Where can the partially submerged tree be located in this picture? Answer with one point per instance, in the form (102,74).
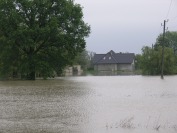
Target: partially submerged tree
(151,61)
(84,59)
(40,36)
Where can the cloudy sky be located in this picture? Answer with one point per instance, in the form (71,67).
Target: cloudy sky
(126,25)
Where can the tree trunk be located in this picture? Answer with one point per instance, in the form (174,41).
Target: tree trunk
(32,75)
(32,72)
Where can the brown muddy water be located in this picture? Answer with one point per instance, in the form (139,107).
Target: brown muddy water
(92,104)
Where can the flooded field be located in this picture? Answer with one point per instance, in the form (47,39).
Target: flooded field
(93,104)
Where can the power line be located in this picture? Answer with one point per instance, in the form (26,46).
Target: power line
(169,9)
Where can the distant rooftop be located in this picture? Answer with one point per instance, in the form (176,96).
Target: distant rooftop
(114,58)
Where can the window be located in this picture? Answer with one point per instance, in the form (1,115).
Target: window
(109,58)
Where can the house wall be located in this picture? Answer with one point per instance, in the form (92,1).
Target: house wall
(129,67)
(114,67)
(105,67)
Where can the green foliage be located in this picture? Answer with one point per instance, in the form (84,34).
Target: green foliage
(40,36)
(151,61)
(138,62)
(170,40)
(84,59)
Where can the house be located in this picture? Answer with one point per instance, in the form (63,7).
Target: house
(114,61)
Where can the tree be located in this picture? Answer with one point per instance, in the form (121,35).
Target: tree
(84,59)
(40,36)
(151,61)
(138,62)
(169,41)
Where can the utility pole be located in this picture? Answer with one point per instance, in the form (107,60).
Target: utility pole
(163,41)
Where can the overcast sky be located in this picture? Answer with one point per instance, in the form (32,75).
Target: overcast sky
(126,25)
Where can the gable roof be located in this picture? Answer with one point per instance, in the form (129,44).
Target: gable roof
(114,58)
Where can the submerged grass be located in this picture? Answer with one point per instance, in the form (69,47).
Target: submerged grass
(128,123)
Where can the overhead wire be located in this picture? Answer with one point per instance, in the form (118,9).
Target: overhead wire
(169,9)
(159,30)
(168,12)
(171,19)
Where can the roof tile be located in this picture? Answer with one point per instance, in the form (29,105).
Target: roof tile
(114,58)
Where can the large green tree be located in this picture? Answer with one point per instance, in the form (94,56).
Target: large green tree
(151,61)
(40,36)
(170,40)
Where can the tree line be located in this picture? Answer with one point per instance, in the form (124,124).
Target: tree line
(42,37)
(149,62)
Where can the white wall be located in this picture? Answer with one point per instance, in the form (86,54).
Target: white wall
(105,67)
(113,67)
(129,67)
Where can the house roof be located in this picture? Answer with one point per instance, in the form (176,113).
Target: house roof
(114,58)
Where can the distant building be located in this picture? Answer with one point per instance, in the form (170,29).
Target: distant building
(112,61)
(73,70)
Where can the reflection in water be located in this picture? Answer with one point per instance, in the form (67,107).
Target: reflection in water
(97,104)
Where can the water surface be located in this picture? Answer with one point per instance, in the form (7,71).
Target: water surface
(93,104)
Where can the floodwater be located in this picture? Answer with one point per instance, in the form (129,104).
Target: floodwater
(91,104)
